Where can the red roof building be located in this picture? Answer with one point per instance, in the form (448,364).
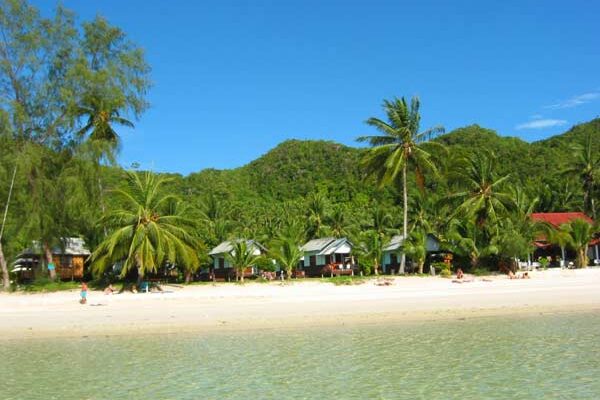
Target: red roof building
(557,219)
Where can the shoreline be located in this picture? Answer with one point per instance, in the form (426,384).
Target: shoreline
(208,309)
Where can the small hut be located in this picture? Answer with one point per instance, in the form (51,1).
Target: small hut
(68,259)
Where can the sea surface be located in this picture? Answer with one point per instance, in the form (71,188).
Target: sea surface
(536,357)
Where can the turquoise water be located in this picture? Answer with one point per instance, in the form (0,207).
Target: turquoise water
(541,357)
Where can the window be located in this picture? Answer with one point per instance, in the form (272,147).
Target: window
(313,260)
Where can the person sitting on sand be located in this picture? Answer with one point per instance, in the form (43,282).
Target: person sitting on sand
(511,275)
(525,275)
(459,274)
(109,289)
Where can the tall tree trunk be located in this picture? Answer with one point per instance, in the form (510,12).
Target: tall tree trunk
(421,264)
(241,275)
(188,276)
(3,265)
(49,262)
(405,226)
(5,277)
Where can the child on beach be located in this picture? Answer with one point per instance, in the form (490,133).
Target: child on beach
(83,293)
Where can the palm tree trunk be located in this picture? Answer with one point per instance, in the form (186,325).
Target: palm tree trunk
(188,276)
(405,226)
(421,264)
(563,253)
(242,275)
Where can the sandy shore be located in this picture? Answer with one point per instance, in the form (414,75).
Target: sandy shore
(223,307)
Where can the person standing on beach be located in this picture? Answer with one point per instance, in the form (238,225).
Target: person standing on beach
(83,293)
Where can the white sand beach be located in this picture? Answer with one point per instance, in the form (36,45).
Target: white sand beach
(222,307)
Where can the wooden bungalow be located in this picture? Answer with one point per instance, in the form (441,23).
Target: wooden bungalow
(68,259)
(328,256)
(222,269)
(547,249)
(393,250)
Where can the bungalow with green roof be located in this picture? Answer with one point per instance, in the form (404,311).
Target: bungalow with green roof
(328,256)
(221,267)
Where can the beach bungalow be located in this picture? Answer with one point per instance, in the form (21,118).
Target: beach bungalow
(221,267)
(393,250)
(547,249)
(328,256)
(68,259)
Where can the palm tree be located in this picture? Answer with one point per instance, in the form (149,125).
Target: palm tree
(286,251)
(580,233)
(338,221)
(371,248)
(398,149)
(466,239)
(242,257)
(587,168)
(483,198)
(101,116)
(150,228)
(316,215)
(416,247)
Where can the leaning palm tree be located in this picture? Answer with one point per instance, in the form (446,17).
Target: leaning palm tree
(242,257)
(149,229)
(587,168)
(398,149)
(580,233)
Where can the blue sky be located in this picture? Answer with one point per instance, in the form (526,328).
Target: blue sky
(232,79)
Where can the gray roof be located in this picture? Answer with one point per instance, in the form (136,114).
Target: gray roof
(317,244)
(395,243)
(72,246)
(325,245)
(227,246)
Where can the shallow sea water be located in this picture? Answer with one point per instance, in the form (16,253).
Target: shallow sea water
(535,357)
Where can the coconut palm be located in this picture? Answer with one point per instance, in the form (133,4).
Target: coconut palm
(286,251)
(466,239)
(580,233)
(242,257)
(149,229)
(416,247)
(338,223)
(316,214)
(398,149)
(483,200)
(101,116)
(370,249)
(587,168)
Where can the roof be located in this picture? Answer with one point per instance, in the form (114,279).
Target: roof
(227,246)
(324,246)
(395,243)
(557,219)
(72,246)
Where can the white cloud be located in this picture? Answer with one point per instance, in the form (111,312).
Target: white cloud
(576,100)
(541,123)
